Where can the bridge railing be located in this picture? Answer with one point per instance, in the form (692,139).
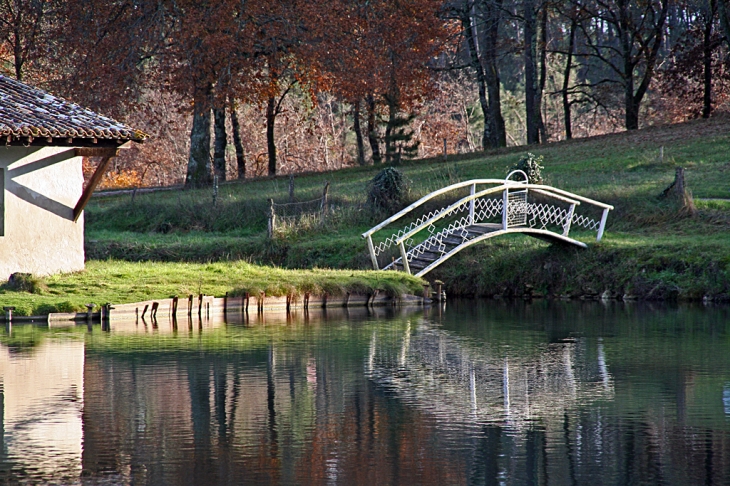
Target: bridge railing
(513,204)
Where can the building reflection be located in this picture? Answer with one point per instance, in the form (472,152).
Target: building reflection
(41,403)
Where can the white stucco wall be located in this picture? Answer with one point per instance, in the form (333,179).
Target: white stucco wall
(42,186)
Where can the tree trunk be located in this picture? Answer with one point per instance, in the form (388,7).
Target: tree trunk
(543,73)
(358,132)
(372,135)
(236,128)
(270,141)
(198,172)
(533,135)
(723,11)
(630,108)
(221,142)
(707,48)
(493,16)
(471,42)
(649,57)
(566,79)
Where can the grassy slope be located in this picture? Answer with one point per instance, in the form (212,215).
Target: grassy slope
(649,249)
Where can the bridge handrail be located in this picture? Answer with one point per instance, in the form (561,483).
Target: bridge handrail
(447,210)
(503,184)
(570,194)
(438,192)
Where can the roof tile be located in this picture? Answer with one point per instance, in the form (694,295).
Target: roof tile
(27,111)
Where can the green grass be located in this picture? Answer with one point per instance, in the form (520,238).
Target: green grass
(650,246)
(124,282)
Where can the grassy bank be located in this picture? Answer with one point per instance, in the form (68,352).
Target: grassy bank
(124,282)
(651,249)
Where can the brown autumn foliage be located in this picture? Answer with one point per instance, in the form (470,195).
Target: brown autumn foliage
(317,85)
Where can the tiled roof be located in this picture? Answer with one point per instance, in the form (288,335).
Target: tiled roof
(26,111)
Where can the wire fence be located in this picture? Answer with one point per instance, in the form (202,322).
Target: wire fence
(292,216)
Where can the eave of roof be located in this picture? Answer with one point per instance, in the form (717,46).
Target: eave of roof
(30,116)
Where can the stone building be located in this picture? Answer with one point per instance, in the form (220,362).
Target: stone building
(43,140)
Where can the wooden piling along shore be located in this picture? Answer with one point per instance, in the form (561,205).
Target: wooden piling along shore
(206,307)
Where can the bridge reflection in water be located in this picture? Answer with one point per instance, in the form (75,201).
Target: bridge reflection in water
(461,381)
(483,393)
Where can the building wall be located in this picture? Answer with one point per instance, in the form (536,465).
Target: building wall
(41,187)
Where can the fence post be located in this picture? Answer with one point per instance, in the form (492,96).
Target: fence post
(291,188)
(272,219)
(325,197)
(471,203)
(215,190)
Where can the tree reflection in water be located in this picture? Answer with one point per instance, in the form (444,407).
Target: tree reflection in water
(543,393)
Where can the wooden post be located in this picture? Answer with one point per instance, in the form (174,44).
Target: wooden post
(291,188)
(190,305)
(215,190)
(89,308)
(272,219)
(175,301)
(444,150)
(95,179)
(325,198)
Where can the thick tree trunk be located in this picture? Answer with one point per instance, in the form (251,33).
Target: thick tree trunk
(630,107)
(358,132)
(236,128)
(493,17)
(566,79)
(270,141)
(531,119)
(221,142)
(471,42)
(198,172)
(649,56)
(372,134)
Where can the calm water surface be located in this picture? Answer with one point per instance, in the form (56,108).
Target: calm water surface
(475,393)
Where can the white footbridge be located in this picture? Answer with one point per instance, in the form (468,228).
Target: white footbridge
(419,238)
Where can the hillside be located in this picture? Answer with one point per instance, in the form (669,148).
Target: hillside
(651,249)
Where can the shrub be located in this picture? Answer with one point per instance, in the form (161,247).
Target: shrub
(387,190)
(26,282)
(530,165)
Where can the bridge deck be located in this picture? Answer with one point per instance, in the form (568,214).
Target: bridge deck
(428,253)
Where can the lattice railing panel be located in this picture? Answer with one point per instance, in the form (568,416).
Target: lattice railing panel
(542,215)
(586,222)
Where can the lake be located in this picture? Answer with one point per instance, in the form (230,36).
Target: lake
(476,392)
